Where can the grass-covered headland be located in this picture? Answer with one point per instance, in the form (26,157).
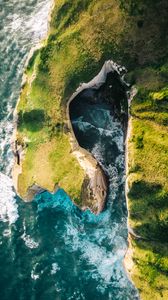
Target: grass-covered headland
(83,34)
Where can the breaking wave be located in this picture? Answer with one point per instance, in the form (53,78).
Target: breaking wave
(8,205)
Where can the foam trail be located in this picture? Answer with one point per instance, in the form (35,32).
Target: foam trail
(8,205)
(23,27)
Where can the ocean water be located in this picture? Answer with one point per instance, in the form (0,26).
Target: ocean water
(49,249)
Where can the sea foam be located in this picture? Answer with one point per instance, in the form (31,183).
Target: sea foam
(8,204)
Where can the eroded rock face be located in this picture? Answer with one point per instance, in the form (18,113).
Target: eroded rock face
(33,191)
(94,190)
(94,187)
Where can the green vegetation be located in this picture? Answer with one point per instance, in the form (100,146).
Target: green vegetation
(83,34)
(151,105)
(48,161)
(148,183)
(149,187)
(151,269)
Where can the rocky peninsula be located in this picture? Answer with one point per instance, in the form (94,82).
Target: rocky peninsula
(83,36)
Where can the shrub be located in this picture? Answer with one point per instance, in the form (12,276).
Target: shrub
(139,142)
(32,120)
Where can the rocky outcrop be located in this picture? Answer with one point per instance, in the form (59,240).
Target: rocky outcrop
(94,188)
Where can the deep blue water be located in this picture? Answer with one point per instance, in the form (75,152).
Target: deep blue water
(49,249)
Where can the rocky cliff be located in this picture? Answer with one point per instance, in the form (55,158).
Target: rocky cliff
(83,35)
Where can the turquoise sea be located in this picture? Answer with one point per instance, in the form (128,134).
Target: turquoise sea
(49,249)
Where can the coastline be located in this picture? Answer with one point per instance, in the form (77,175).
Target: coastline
(137,260)
(17,169)
(148,124)
(97,179)
(128,258)
(128,262)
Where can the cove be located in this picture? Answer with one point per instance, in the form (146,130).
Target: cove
(99,120)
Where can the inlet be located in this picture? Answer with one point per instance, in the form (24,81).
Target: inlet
(99,116)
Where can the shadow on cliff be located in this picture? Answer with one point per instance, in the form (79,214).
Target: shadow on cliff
(148,203)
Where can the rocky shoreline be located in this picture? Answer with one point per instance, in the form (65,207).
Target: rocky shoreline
(19,151)
(96,185)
